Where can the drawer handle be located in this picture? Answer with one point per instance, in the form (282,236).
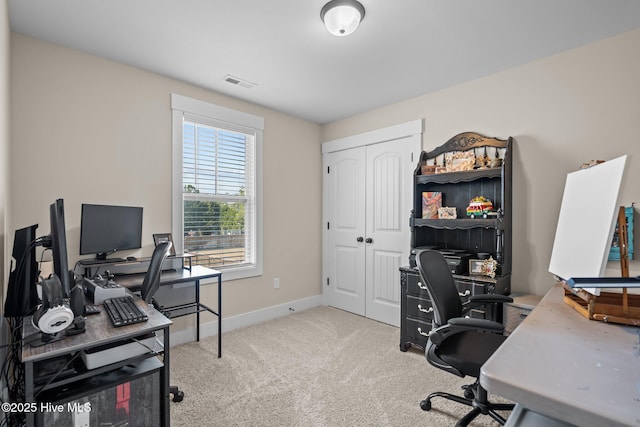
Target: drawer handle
(423,287)
(424,334)
(429,310)
(465,293)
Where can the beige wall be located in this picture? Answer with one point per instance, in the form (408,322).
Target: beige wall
(563,110)
(109,124)
(89,130)
(4,145)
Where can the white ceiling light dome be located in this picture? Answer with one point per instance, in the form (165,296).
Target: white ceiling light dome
(342,17)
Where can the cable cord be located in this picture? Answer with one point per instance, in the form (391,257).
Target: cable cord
(13,373)
(151,350)
(53,377)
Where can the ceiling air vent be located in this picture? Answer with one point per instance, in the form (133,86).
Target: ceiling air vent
(238,81)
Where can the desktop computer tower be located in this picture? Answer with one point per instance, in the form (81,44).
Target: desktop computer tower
(129,396)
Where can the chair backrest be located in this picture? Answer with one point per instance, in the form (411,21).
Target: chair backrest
(151,281)
(436,275)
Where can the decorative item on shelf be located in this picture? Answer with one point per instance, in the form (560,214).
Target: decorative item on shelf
(591,163)
(480,206)
(431,201)
(447,213)
(460,161)
(479,161)
(441,168)
(164,237)
(496,162)
(486,161)
(427,169)
(483,267)
(436,167)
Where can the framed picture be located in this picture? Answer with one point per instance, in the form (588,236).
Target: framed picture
(165,237)
(431,201)
(447,213)
(483,267)
(460,161)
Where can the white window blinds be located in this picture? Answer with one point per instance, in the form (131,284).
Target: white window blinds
(216,186)
(218,193)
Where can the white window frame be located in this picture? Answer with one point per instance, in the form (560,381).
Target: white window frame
(181,106)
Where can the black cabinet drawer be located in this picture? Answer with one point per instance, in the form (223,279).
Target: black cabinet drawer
(417,312)
(415,286)
(419,308)
(469,286)
(418,330)
(465,290)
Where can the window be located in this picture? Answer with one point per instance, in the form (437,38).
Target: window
(216,193)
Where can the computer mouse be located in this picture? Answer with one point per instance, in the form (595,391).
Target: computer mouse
(131,258)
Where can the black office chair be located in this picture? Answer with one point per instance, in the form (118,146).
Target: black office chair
(150,286)
(151,282)
(457,344)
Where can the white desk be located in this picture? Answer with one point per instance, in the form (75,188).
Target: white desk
(575,370)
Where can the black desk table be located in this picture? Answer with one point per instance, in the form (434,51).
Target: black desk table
(185,275)
(98,332)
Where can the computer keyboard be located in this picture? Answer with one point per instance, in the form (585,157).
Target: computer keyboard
(124,311)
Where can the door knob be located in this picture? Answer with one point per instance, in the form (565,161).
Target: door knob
(369,240)
(360,239)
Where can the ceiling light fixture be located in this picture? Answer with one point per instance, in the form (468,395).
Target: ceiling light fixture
(342,17)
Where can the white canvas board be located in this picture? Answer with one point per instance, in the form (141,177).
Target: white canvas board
(587,220)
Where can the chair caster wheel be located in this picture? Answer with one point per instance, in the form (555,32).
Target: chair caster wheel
(468,393)
(178,394)
(425,405)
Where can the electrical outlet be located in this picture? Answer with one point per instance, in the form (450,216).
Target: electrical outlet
(276,283)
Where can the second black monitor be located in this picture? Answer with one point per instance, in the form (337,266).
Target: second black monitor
(105,229)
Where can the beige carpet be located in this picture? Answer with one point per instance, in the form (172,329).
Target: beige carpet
(319,367)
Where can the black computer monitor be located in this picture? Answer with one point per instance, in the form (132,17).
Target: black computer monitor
(59,245)
(22,296)
(105,229)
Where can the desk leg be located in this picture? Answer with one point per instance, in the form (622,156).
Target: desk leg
(197,310)
(164,381)
(219,316)
(29,392)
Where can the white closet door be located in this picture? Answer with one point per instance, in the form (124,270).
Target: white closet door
(346,227)
(367,192)
(389,190)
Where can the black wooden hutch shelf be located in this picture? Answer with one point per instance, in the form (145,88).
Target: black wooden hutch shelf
(471,237)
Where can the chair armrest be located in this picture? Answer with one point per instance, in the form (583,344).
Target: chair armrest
(464,324)
(482,325)
(490,298)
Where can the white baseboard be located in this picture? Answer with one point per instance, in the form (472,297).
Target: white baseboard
(246,319)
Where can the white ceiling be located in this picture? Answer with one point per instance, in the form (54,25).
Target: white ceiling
(403,48)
